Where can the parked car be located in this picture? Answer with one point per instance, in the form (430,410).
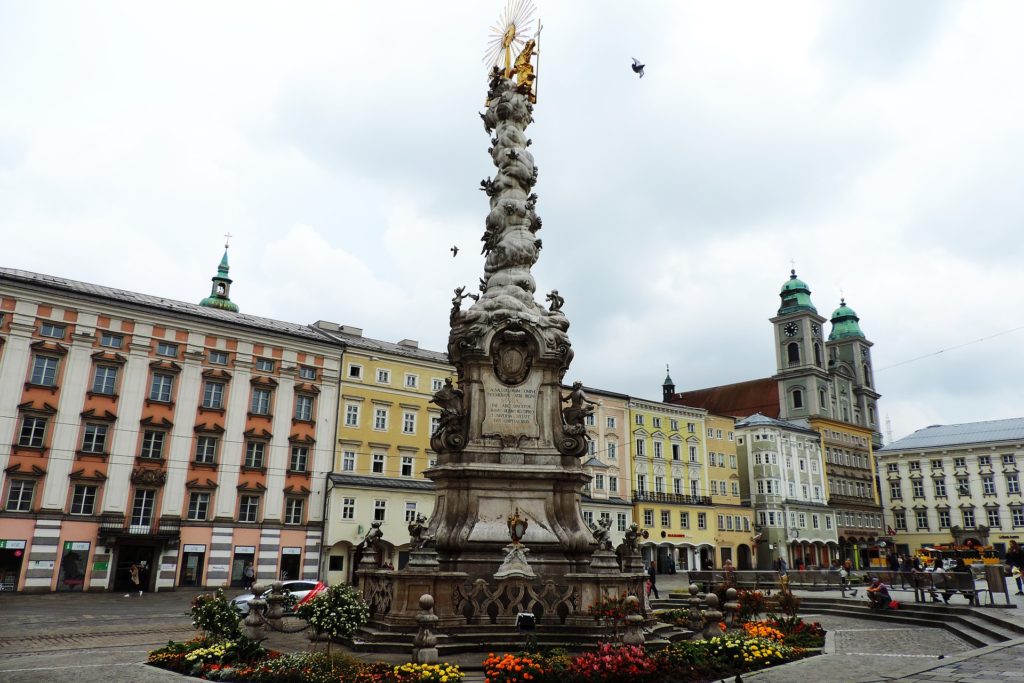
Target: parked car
(297,589)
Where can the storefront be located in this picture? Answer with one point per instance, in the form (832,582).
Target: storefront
(74,560)
(245,555)
(12,556)
(291,568)
(193,560)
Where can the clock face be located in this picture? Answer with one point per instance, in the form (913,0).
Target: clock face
(790,329)
(816,329)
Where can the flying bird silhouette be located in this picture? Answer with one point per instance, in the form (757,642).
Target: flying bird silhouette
(638,68)
(455,251)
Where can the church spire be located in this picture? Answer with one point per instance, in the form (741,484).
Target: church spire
(668,387)
(221,290)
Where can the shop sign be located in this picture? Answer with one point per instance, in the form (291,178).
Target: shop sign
(291,551)
(195,548)
(40,564)
(245,550)
(76,545)
(100,566)
(11,545)
(168,567)
(218,567)
(677,535)
(1009,537)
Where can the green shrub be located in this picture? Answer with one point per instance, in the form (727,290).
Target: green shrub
(214,615)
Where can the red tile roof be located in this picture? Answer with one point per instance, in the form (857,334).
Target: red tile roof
(737,400)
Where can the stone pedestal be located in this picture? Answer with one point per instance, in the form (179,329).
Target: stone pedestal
(393,596)
(604,562)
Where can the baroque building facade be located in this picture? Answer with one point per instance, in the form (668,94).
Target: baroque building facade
(784,482)
(385,419)
(955,485)
(190,440)
(829,384)
(608,463)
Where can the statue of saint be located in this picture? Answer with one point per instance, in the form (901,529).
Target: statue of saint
(418,537)
(556,299)
(449,399)
(523,69)
(579,406)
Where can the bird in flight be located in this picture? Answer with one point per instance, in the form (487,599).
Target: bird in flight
(455,251)
(638,68)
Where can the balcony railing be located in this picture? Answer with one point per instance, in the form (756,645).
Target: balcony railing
(678,498)
(118,526)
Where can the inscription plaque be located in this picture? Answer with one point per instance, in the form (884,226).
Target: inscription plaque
(511,411)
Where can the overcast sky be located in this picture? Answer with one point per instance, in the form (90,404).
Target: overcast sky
(878,145)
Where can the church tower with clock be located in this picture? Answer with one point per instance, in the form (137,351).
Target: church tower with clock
(802,373)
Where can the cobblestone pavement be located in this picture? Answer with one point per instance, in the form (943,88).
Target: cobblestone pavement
(997,663)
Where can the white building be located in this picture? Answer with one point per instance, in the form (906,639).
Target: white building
(785,485)
(955,485)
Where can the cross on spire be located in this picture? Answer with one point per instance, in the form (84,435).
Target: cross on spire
(227,239)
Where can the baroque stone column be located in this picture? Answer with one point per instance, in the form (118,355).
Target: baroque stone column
(504,442)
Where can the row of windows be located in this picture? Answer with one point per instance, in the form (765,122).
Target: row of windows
(381,419)
(994,517)
(717,487)
(840,456)
(153,441)
(717,434)
(659,450)
(797,520)
(673,424)
(161,388)
(958,462)
(621,519)
(591,421)
(412,381)
(848,487)
(963,486)
(599,483)
(84,499)
(380,510)
(773,487)
(378,464)
(665,517)
(859,519)
(611,448)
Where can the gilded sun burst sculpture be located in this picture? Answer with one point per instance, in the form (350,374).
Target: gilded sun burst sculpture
(511,50)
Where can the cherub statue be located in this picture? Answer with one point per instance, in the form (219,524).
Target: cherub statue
(460,295)
(418,537)
(579,406)
(602,533)
(556,300)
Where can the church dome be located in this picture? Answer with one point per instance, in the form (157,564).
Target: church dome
(221,290)
(795,295)
(845,323)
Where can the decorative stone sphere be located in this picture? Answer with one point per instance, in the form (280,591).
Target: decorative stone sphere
(712,600)
(730,594)
(694,589)
(426,601)
(277,586)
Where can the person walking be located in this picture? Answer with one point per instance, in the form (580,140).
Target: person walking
(250,576)
(133,576)
(652,586)
(1015,558)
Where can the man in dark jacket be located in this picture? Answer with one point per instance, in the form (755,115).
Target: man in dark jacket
(651,580)
(1015,558)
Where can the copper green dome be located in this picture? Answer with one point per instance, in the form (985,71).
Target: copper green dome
(796,296)
(219,293)
(845,323)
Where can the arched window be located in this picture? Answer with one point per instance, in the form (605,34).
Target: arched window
(821,399)
(817,354)
(793,352)
(798,398)
(867,375)
(220,288)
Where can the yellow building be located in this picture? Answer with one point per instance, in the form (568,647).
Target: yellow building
(671,492)
(383,446)
(733,521)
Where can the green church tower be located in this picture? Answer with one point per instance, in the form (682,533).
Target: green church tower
(221,290)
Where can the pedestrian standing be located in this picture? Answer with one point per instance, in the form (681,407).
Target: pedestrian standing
(652,586)
(133,576)
(250,576)
(1015,558)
